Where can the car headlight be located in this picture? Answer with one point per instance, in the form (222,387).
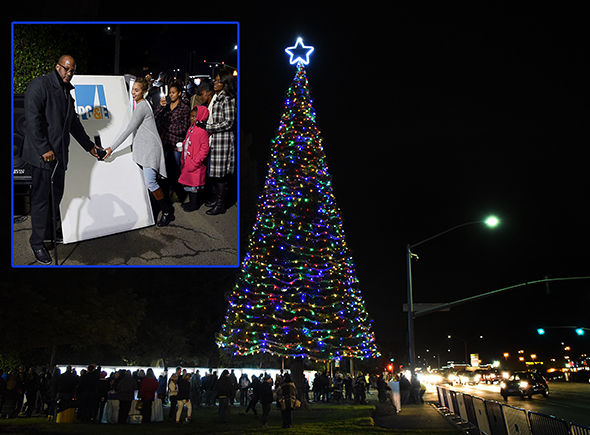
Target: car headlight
(524,384)
(503,385)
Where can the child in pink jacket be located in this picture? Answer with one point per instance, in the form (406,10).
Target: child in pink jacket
(195,149)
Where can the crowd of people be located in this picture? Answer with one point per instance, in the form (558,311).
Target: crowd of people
(184,140)
(24,392)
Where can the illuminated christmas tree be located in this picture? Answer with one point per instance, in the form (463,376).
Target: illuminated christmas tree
(297,293)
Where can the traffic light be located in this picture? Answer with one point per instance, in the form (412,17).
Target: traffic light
(541,331)
(580,331)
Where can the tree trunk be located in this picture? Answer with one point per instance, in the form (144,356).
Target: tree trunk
(299,380)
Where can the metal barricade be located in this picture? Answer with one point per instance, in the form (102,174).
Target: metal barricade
(516,420)
(441,396)
(495,417)
(578,429)
(481,415)
(453,402)
(542,424)
(468,399)
(462,408)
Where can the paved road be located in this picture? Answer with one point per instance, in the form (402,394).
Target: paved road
(567,400)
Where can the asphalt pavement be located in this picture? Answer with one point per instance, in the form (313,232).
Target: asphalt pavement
(192,239)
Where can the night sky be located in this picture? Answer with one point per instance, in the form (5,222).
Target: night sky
(432,118)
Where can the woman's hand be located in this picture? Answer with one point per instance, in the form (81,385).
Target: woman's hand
(109,151)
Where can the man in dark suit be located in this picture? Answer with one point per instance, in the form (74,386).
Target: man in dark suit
(50,118)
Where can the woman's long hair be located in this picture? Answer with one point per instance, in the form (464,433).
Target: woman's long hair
(227,79)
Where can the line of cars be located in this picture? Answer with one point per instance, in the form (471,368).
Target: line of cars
(518,383)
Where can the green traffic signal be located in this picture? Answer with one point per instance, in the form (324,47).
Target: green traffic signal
(541,331)
(580,331)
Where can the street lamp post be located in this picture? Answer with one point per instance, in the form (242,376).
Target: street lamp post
(491,222)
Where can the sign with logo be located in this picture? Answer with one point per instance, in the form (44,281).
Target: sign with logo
(91,103)
(102,198)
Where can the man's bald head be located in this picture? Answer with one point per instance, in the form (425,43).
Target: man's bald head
(66,67)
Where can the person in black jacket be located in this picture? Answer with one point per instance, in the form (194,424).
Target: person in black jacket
(50,119)
(266,398)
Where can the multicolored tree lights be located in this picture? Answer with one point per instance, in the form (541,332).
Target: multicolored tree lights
(297,293)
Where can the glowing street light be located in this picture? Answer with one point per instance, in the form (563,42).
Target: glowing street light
(491,222)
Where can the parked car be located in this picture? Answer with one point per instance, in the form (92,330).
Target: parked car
(524,384)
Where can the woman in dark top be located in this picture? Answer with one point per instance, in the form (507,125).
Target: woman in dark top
(172,117)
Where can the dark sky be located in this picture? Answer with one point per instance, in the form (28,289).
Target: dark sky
(433,117)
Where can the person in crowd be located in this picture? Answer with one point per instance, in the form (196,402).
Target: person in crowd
(382,389)
(222,144)
(162,383)
(348,387)
(102,394)
(196,390)
(43,396)
(224,390)
(256,393)
(172,396)
(66,389)
(234,386)
(421,393)
(244,387)
(209,386)
(172,118)
(158,89)
(360,389)
(31,387)
(183,397)
(10,408)
(338,384)
(86,392)
(286,399)
(266,398)
(205,93)
(405,387)
(125,393)
(147,391)
(50,120)
(147,149)
(315,387)
(53,387)
(415,388)
(325,386)
(193,169)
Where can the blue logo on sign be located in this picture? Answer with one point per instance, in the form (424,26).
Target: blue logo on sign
(91,103)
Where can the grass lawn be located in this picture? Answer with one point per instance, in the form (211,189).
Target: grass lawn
(319,419)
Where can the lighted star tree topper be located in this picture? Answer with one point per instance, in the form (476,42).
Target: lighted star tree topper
(297,294)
